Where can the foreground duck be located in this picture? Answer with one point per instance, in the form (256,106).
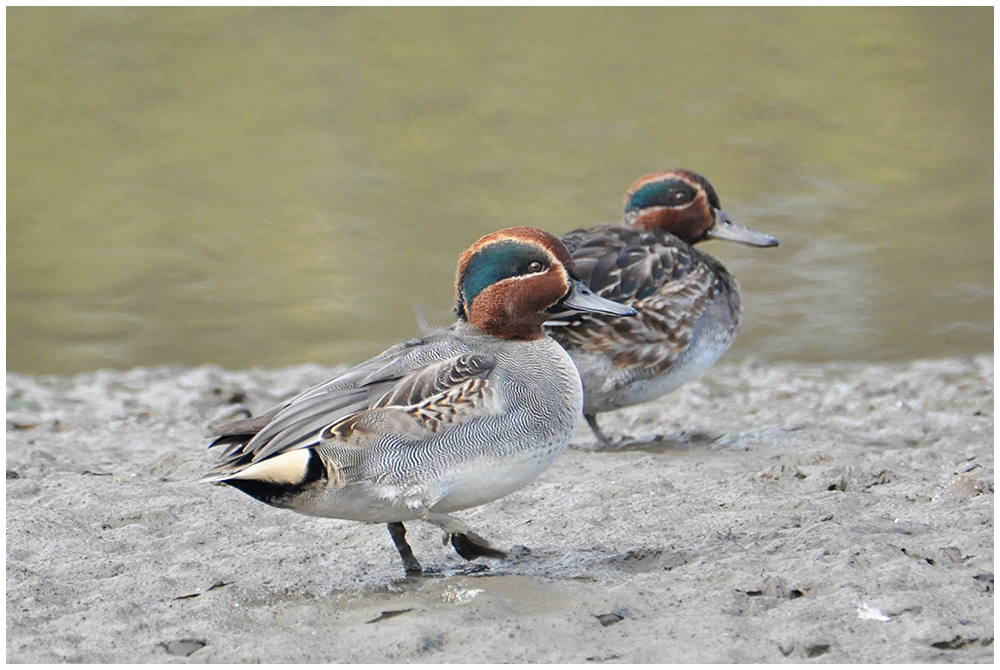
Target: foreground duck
(688,304)
(453,420)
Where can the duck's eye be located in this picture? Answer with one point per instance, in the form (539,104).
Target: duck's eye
(535,266)
(680,197)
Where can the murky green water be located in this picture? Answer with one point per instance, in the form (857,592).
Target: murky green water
(269,186)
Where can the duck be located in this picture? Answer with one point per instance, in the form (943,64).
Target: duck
(688,304)
(454,419)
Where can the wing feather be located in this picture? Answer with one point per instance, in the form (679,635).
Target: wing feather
(669,282)
(413,389)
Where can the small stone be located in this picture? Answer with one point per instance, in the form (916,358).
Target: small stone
(609,619)
(184,647)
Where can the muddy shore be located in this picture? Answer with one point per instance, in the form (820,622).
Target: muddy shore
(764,513)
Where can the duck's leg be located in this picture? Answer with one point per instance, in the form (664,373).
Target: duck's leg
(398,533)
(601,437)
(469,544)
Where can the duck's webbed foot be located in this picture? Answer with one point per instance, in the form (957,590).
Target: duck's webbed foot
(469,544)
(398,533)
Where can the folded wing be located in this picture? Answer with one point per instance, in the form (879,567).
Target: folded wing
(413,395)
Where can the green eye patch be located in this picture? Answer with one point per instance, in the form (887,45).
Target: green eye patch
(498,261)
(670,193)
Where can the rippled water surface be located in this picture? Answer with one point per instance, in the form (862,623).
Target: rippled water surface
(274,186)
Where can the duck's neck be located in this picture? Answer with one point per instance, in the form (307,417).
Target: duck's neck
(505,317)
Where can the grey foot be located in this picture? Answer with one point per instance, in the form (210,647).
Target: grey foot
(471,546)
(467,543)
(623,442)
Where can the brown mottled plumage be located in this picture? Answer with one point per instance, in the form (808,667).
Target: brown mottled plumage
(688,304)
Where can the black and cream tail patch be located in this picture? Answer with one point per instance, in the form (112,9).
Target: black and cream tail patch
(277,480)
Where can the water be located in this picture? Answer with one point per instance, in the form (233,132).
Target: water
(274,186)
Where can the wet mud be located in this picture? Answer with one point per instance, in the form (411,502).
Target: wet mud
(764,513)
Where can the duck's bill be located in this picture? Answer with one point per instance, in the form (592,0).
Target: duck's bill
(581,299)
(727,229)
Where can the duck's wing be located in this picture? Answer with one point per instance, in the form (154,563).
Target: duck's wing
(410,390)
(422,403)
(626,265)
(666,280)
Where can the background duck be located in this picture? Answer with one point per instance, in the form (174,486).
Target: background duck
(688,304)
(453,420)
